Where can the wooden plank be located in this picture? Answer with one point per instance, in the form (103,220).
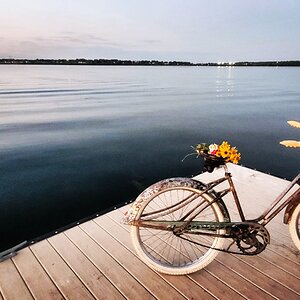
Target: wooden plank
(231,277)
(274,272)
(125,283)
(35,277)
(91,277)
(266,283)
(218,288)
(189,288)
(12,285)
(121,234)
(222,273)
(147,277)
(285,251)
(282,262)
(63,277)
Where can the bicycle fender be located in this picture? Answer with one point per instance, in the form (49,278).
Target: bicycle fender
(290,209)
(130,215)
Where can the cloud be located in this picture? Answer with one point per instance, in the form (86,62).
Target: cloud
(81,38)
(152,42)
(72,39)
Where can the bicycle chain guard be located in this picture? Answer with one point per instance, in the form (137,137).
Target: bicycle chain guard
(251,238)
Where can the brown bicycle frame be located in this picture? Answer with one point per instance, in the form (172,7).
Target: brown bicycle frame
(263,219)
(268,214)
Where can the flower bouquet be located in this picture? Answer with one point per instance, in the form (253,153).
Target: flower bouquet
(223,152)
(216,155)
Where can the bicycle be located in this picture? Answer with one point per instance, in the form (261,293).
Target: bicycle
(179,225)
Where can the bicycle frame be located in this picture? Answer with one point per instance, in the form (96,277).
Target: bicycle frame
(188,218)
(271,211)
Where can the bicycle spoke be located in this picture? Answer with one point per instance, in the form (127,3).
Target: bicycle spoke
(165,245)
(167,250)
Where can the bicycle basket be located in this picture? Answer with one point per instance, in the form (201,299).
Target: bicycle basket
(211,162)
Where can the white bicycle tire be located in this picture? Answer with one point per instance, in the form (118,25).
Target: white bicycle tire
(294,226)
(194,266)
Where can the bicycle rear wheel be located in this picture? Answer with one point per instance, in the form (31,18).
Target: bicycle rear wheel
(163,250)
(294,226)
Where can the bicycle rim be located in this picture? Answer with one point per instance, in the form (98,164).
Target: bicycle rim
(294,226)
(167,252)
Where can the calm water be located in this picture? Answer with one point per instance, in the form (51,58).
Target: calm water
(78,140)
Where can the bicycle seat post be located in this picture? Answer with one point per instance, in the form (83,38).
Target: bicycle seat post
(234,193)
(225,168)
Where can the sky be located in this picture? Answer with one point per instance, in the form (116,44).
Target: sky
(182,30)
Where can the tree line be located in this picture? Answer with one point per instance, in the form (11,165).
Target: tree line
(119,62)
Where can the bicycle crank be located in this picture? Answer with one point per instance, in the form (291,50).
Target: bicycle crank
(250,238)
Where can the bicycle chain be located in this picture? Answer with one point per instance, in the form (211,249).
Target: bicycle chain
(209,247)
(254,228)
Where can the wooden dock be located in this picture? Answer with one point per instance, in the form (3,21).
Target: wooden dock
(96,260)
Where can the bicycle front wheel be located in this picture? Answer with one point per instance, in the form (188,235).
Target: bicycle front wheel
(294,226)
(165,251)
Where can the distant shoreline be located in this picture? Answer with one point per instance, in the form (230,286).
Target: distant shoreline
(118,62)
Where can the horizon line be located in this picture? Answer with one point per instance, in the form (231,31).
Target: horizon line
(116,61)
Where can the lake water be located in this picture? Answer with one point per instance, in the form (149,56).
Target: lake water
(76,140)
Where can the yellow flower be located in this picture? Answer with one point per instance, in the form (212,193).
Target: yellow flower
(233,152)
(235,156)
(228,153)
(224,150)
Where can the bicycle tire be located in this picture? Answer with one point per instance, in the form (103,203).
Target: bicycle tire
(164,251)
(294,226)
